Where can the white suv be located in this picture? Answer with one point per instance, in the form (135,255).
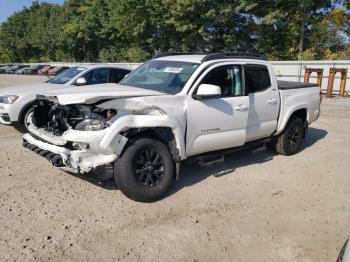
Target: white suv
(16,102)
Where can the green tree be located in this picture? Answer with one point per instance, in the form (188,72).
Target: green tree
(285,27)
(135,30)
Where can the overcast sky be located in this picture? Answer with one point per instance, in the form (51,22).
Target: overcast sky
(8,7)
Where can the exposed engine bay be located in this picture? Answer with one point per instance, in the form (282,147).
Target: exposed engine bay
(91,135)
(57,119)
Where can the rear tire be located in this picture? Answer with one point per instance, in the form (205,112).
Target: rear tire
(290,140)
(145,171)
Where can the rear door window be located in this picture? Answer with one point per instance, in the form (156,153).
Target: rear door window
(97,76)
(116,75)
(257,78)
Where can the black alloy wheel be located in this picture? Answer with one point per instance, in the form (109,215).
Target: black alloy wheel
(291,139)
(145,170)
(295,136)
(149,167)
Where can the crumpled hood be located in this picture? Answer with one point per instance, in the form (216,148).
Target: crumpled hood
(28,89)
(94,93)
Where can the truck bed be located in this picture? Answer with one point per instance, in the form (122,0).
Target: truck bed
(285,85)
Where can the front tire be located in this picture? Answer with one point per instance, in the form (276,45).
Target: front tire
(23,123)
(290,140)
(145,171)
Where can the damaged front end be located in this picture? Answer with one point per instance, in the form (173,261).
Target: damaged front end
(69,135)
(57,119)
(90,136)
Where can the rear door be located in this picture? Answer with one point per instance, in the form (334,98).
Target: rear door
(218,123)
(264,102)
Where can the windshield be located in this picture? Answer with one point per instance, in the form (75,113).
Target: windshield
(162,76)
(66,75)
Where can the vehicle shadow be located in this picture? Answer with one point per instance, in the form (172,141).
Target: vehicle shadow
(313,136)
(193,173)
(107,184)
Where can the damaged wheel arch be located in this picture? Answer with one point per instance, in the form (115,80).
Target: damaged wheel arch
(163,134)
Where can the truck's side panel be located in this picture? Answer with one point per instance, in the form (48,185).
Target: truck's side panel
(264,101)
(295,99)
(217,123)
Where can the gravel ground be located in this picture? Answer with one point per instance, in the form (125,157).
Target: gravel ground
(257,206)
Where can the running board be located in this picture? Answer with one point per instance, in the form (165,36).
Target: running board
(210,160)
(216,157)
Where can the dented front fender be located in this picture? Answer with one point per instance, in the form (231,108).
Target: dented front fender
(143,121)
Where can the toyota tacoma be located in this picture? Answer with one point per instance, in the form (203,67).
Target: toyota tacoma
(174,107)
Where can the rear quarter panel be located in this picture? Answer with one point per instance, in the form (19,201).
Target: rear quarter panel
(295,99)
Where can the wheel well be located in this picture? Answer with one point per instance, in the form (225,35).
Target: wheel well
(23,112)
(301,113)
(162,134)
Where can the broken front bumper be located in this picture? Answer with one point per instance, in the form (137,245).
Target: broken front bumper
(76,161)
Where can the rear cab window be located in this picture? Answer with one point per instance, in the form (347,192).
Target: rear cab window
(257,78)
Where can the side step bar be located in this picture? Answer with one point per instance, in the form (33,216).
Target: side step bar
(217,157)
(211,160)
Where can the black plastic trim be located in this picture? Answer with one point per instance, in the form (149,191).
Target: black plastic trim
(55,159)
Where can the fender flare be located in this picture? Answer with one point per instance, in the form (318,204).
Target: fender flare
(287,115)
(144,121)
(24,110)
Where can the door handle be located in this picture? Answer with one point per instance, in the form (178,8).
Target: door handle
(241,108)
(272,101)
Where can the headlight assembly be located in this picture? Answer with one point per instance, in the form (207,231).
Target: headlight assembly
(95,124)
(10,99)
(92,125)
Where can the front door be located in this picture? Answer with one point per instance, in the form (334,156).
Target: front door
(218,123)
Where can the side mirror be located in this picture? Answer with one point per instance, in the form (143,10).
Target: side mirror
(81,81)
(206,91)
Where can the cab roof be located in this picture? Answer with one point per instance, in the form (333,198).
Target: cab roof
(204,57)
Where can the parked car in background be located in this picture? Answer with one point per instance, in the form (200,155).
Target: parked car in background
(20,70)
(45,70)
(3,68)
(15,68)
(8,69)
(33,69)
(16,102)
(56,70)
(11,69)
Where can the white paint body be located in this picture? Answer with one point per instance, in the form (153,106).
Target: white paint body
(346,256)
(199,126)
(27,93)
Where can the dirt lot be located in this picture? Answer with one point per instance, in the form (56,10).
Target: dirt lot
(256,207)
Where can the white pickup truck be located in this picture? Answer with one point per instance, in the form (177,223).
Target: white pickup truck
(172,108)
